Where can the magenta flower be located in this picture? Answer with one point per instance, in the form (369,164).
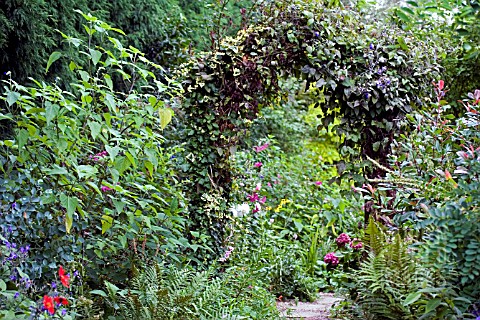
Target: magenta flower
(356,244)
(253,197)
(258,164)
(226,254)
(342,240)
(261,148)
(269,184)
(331,258)
(263,200)
(257,208)
(99,156)
(318,183)
(106,189)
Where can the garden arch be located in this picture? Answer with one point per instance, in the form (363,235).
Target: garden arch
(370,75)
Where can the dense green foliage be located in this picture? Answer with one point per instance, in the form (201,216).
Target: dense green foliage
(76,172)
(367,77)
(29,30)
(454,27)
(159,292)
(257,151)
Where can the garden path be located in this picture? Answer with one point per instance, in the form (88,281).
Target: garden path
(317,310)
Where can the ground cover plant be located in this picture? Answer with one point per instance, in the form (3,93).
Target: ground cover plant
(309,148)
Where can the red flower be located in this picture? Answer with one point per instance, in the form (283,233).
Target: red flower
(61,300)
(48,304)
(64,278)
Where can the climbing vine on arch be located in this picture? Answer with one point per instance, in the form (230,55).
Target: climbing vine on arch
(370,75)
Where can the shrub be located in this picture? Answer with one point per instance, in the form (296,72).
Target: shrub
(86,176)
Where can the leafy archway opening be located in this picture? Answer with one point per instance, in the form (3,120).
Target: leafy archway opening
(370,74)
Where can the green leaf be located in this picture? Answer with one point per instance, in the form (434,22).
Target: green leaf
(95,128)
(53,57)
(51,112)
(467,46)
(152,100)
(70,204)
(432,304)
(3,285)
(402,43)
(22,138)
(99,293)
(86,171)
(57,170)
(403,16)
(109,82)
(96,55)
(107,223)
(12,97)
(165,117)
(122,164)
(112,152)
(411,298)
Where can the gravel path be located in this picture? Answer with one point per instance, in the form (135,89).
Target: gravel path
(317,310)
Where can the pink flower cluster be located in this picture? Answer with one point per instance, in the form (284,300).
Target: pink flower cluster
(342,240)
(226,254)
(99,156)
(258,164)
(331,258)
(356,244)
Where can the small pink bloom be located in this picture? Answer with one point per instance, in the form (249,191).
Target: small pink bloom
(441,84)
(263,200)
(253,197)
(258,164)
(258,187)
(318,183)
(269,184)
(356,244)
(331,258)
(261,148)
(105,189)
(257,208)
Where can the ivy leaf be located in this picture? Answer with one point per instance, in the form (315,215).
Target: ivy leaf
(53,57)
(165,117)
